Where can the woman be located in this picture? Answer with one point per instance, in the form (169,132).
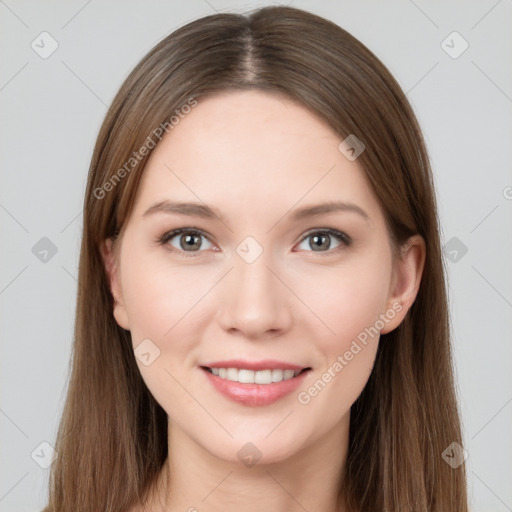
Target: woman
(261,318)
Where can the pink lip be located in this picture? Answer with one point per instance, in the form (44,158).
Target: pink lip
(266,364)
(254,394)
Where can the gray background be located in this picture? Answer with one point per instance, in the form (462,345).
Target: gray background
(51,110)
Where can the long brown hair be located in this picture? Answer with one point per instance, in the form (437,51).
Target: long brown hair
(112,438)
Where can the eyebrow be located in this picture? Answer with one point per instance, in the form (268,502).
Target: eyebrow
(207,212)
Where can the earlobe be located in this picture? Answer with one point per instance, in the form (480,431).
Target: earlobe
(108,254)
(406,281)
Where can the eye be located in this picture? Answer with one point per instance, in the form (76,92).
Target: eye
(185,240)
(320,241)
(189,241)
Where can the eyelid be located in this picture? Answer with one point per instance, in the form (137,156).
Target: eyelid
(344,238)
(168,235)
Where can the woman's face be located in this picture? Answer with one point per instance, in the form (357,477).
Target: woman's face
(254,281)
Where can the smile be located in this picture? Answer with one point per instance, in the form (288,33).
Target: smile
(254,377)
(263,384)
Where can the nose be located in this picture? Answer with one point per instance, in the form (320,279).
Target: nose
(254,301)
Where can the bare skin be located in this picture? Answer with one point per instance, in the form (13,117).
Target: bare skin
(256,158)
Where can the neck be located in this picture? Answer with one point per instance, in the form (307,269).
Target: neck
(195,480)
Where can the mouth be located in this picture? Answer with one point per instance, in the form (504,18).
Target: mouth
(263,384)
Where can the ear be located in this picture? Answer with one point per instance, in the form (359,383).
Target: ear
(110,260)
(406,280)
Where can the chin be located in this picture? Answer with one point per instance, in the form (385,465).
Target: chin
(258,450)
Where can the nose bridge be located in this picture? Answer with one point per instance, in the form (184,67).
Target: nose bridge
(254,300)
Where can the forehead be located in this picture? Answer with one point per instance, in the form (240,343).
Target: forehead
(254,152)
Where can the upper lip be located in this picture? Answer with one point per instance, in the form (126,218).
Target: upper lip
(265,364)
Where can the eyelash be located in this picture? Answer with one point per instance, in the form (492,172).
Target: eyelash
(344,239)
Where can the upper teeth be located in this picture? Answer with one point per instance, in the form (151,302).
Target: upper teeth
(254,377)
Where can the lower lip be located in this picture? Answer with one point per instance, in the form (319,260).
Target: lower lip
(255,394)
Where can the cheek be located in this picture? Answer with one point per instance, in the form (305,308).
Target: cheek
(162,307)
(350,303)
(347,353)
(158,296)
(348,298)
(166,304)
